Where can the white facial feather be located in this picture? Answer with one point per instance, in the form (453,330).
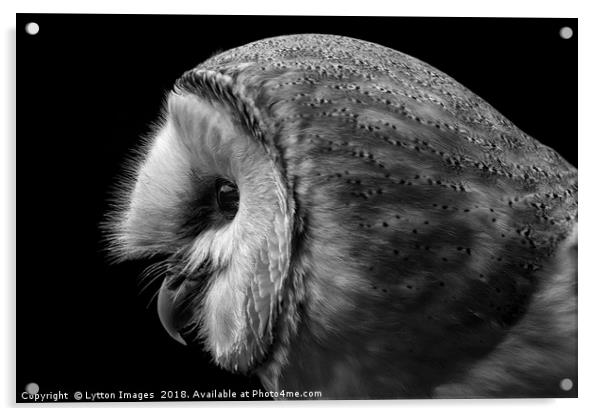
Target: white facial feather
(200,140)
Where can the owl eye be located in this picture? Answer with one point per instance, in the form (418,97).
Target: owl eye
(227,197)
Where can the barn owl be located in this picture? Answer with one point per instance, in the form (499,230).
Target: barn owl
(336,216)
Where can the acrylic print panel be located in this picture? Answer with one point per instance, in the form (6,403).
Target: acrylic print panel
(354,208)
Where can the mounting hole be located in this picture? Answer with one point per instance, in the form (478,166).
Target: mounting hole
(566,384)
(566,32)
(32,28)
(32,388)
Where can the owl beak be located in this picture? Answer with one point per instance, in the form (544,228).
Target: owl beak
(170,309)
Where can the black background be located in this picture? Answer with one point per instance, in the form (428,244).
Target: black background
(88,88)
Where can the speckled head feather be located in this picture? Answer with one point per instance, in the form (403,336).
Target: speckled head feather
(423,232)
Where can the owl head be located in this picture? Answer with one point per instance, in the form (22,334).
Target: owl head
(328,211)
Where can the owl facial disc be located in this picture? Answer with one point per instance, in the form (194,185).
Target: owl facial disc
(209,196)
